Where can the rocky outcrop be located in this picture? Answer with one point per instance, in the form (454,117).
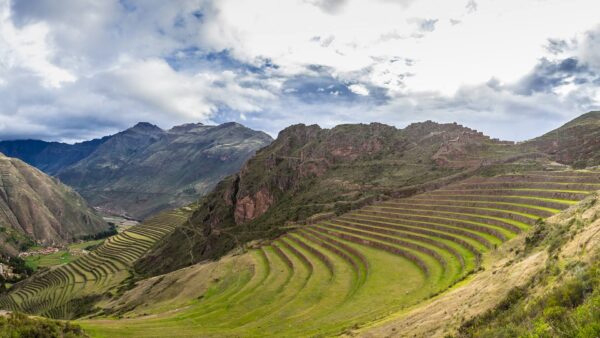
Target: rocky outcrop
(252,206)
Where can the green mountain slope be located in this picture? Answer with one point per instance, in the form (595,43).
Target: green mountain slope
(310,173)
(37,208)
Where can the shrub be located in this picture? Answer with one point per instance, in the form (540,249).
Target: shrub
(20,325)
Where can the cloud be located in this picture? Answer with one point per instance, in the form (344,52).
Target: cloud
(556,46)
(471,6)
(76,69)
(548,75)
(328,6)
(424,25)
(359,89)
(26,49)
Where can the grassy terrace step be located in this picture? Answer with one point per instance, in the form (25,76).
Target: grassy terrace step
(551,194)
(532,211)
(480,237)
(557,204)
(94,273)
(545,177)
(496,232)
(510,220)
(459,247)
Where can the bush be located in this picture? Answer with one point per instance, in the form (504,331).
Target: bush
(112,230)
(571,309)
(22,326)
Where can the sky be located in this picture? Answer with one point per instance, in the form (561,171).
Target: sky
(73,70)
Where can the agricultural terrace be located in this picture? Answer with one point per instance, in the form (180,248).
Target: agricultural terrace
(361,266)
(61,291)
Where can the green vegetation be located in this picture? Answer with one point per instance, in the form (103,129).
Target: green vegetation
(73,289)
(60,257)
(112,230)
(16,239)
(20,271)
(318,280)
(343,273)
(19,325)
(562,301)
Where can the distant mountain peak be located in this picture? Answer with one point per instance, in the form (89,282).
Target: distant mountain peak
(187,127)
(231,124)
(145,127)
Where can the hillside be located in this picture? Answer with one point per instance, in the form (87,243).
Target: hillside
(310,173)
(38,209)
(576,143)
(73,290)
(144,169)
(333,276)
(543,283)
(301,241)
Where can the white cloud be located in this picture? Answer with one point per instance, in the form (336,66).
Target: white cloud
(359,89)
(27,49)
(67,76)
(500,39)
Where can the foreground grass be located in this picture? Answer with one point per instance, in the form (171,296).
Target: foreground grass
(568,304)
(22,326)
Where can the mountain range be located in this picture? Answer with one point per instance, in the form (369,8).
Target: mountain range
(309,173)
(144,169)
(359,230)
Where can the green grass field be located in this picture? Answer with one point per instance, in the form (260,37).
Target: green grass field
(319,280)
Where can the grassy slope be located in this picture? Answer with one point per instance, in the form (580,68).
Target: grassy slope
(563,300)
(284,288)
(540,284)
(319,310)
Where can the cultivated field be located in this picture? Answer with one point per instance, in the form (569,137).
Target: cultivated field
(362,266)
(63,291)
